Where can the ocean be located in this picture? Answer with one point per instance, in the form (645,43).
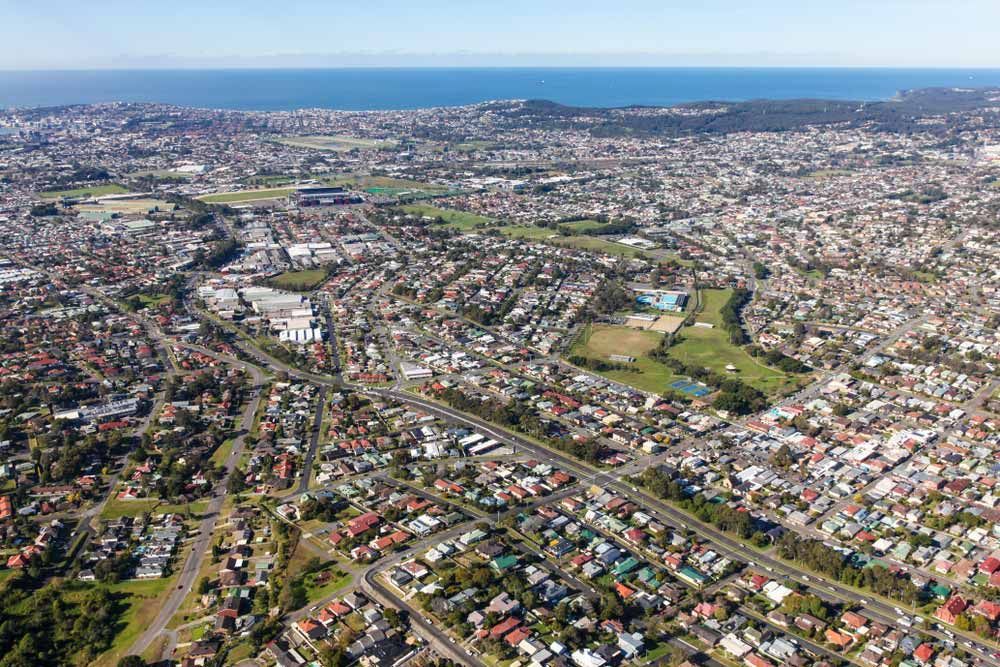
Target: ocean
(379,89)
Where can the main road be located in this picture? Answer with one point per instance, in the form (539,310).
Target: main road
(192,565)
(725,544)
(307,461)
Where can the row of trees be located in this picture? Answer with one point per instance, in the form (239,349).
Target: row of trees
(814,554)
(778,359)
(820,558)
(730,314)
(735,396)
(520,417)
(599,365)
(720,515)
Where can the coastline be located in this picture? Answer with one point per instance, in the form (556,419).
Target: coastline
(400,89)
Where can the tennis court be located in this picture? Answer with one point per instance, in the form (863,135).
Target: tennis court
(692,388)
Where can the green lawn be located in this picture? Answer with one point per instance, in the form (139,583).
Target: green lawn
(598,341)
(598,245)
(583,226)
(528,232)
(241,651)
(316,592)
(656,650)
(699,346)
(813,275)
(222,452)
(246,195)
(92,191)
(153,300)
(603,340)
(667,257)
(712,301)
(476,145)
(116,509)
(299,280)
(711,348)
(459,220)
(144,601)
(270,181)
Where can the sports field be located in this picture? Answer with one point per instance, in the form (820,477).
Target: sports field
(454,219)
(91,191)
(246,195)
(527,232)
(710,348)
(698,346)
(597,244)
(127,206)
(600,341)
(335,142)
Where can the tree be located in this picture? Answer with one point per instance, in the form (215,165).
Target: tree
(44,210)
(782,458)
(332,657)
(611,607)
(132,661)
(392,617)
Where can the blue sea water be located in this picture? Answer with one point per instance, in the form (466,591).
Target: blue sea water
(364,89)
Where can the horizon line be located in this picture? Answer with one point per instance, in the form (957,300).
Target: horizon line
(279,68)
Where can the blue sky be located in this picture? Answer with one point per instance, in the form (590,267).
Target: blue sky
(43,34)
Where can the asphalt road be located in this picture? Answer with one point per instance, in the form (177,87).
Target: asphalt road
(723,543)
(85,524)
(192,565)
(439,640)
(307,462)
